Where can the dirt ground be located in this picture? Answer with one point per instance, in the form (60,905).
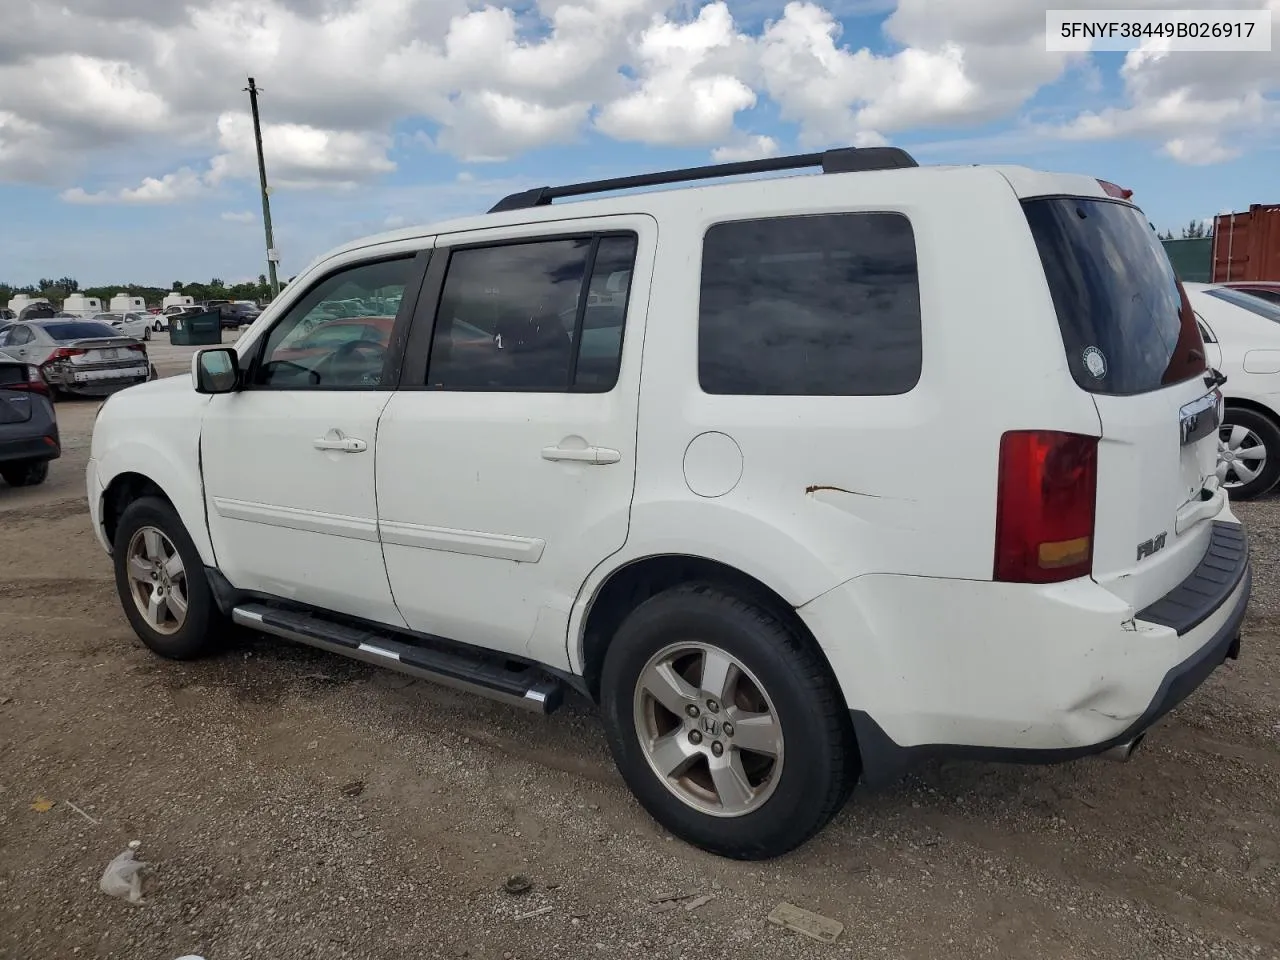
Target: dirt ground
(298,805)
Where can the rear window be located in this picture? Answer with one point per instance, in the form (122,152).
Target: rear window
(825,305)
(1126,325)
(82,330)
(1250,301)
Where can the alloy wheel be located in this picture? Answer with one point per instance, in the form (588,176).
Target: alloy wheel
(157,580)
(708,729)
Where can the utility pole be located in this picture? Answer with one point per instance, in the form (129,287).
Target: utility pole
(272,255)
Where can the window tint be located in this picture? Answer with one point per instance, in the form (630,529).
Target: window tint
(1126,324)
(306,349)
(526,316)
(810,306)
(18,336)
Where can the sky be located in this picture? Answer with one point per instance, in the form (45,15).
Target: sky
(126,144)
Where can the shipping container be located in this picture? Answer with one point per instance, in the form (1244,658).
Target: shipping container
(1191,259)
(1246,246)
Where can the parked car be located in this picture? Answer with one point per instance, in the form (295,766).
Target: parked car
(28,426)
(794,518)
(1263,289)
(83,357)
(236,315)
(135,325)
(1242,337)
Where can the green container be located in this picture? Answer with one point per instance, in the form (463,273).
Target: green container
(1191,259)
(196,329)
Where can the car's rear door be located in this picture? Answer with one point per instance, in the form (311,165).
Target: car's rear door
(1133,345)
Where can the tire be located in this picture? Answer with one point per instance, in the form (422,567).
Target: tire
(146,334)
(785,802)
(25,473)
(201,626)
(1248,430)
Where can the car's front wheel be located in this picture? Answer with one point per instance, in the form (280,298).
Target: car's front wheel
(726,724)
(25,473)
(161,582)
(1248,453)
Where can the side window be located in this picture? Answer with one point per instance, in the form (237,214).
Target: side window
(1205,333)
(19,335)
(545,316)
(315,346)
(823,305)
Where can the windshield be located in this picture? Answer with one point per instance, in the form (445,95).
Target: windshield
(1125,321)
(81,330)
(1248,301)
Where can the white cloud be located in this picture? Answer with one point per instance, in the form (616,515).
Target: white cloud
(687,94)
(752,148)
(1202,108)
(242,216)
(179,185)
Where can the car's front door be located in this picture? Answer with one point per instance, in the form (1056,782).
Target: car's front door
(506,463)
(288,460)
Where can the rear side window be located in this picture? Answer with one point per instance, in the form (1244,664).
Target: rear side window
(1126,324)
(823,305)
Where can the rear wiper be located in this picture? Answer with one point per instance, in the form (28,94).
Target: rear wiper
(1214,378)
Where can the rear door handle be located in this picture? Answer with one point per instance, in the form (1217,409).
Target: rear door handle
(596,455)
(343,445)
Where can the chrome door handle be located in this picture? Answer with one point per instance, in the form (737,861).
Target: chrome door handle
(344,445)
(596,455)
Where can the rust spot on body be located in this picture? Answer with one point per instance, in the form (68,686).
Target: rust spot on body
(818,487)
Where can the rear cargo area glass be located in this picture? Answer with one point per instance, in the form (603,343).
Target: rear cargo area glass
(1126,325)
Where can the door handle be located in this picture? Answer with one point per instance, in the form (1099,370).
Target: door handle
(343,445)
(596,455)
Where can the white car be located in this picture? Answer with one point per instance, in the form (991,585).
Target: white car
(136,325)
(790,476)
(1242,337)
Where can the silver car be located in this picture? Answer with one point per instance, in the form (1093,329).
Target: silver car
(78,356)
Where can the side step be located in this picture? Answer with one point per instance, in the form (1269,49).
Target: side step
(489,676)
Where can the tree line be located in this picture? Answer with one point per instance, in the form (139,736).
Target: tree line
(58,290)
(1195,230)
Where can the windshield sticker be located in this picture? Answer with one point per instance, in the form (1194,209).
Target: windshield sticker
(1095,362)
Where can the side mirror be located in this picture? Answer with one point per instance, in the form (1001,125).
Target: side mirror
(216,370)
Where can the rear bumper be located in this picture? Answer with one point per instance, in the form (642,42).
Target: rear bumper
(105,380)
(45,447)
(989,671)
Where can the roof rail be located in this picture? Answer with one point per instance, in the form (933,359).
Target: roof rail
(842,160)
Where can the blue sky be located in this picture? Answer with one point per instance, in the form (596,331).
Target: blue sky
(496,102)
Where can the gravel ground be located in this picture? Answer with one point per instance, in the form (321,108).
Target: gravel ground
(297,805)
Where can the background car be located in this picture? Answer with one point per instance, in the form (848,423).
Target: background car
(78,356)
(28,426)
(130,324)
(236,315)
(1242,338)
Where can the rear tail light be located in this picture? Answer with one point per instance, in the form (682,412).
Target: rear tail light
(34,383)
(1045,501)
(65,353)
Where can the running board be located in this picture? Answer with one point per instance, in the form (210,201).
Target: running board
(489,676)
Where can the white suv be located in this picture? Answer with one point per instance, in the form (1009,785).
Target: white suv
(800,479)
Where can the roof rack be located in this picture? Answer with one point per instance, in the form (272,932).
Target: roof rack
(842,160)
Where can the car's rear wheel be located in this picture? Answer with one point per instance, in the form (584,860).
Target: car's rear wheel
(1248,453)
(25,473)
(726,724)
(161,582)
(146,334)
